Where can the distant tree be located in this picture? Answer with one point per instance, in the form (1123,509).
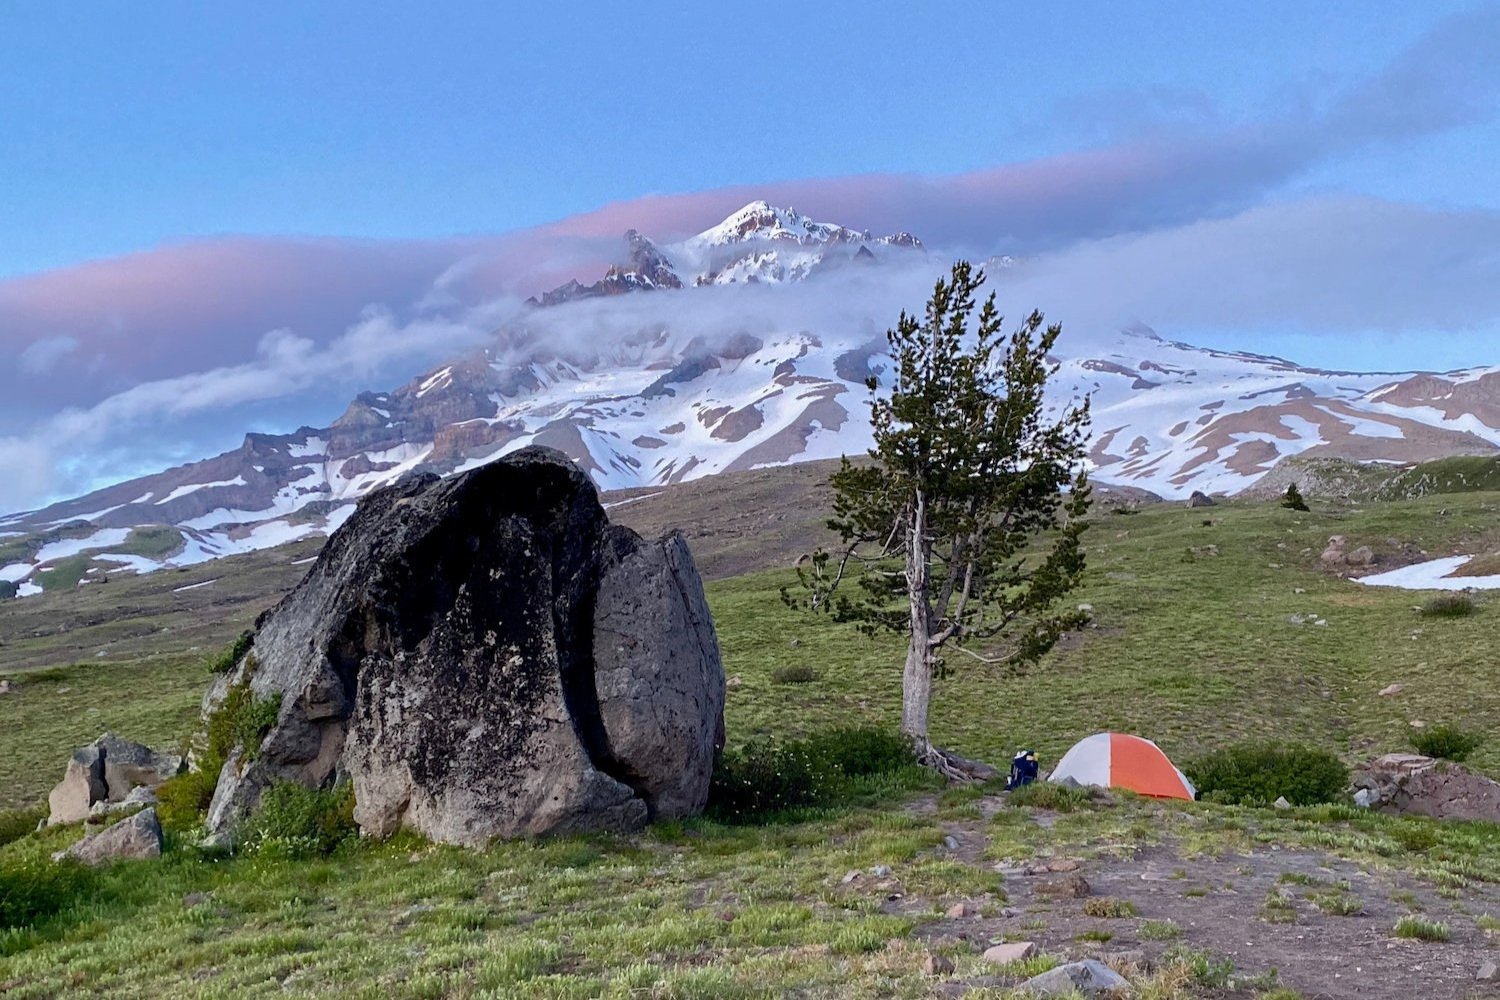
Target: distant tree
(965,528)
(1293,498)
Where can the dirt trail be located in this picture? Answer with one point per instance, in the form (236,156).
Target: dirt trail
(1218,904)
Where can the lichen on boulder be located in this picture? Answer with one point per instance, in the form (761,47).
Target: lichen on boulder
(487,656)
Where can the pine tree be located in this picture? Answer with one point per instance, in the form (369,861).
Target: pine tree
(1293,498)
(964,530)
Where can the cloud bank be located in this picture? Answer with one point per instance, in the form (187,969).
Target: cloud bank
(119,364)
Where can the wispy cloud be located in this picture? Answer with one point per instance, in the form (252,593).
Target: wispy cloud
(1175,221)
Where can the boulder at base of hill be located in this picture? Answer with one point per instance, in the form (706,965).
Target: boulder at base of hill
(1413,784)
(1089,977)
(1201,499)
(487,656)
(108,770)
(136,838)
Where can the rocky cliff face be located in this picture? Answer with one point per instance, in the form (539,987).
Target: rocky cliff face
(486,656)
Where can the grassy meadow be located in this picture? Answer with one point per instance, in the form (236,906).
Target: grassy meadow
(1211,626)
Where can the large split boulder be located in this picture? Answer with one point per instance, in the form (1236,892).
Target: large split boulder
(106,772)
(1413,784)
(487,656)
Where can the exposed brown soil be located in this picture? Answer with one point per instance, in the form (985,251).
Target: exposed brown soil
(1217,903)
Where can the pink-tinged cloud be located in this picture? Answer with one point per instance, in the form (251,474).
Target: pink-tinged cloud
(72,335)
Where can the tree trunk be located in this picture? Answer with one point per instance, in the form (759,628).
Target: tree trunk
(916,679)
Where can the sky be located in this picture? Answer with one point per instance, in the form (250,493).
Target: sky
(219,218)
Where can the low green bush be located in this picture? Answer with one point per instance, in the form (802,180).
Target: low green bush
(761,779)
(18,823)
(1447,742)
(226,660)
(857,751)
(1448,606)
(182,799)
(1260,773)
(294,821)
(797,674)
(33,889)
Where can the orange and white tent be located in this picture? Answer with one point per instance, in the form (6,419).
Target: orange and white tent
(1116,760)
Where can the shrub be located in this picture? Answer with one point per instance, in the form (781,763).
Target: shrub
(240,720)
(1447,742)
(1448,606)
(294,821)
(33,889)
(1260,773)
(796,674)
(232,654)
(182,799)
(859,751)
(1108,906)
(1293,498)
(764,778)
(18,823)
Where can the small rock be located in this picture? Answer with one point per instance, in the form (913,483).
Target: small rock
(851,877)
(409,914)
(137,838)
(1062,865)
(1281,803)
(1488,971)
(1089,977)
(1086,608)
(734,681)
(193,899)
(960,911)
(951,843)
(1010,951)
(880,871)
(1009,912)
(1362,556)
(1391,689)
(1071,887)
(4,687)
(937,965)
(795,643)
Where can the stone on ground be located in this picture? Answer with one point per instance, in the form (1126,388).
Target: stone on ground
(1089,977)
(937,965)
(1008,952)
(107,772)
(136,838)
(1417,785)
(82,785)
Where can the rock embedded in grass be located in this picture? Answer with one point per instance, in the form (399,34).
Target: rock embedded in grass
(137,838)
(1009,952)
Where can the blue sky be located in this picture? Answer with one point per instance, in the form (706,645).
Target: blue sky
(224,217)
(123,126)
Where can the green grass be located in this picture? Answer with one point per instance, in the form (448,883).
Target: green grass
(1460,474)
(1421,929)
(1193,654)
(155,541)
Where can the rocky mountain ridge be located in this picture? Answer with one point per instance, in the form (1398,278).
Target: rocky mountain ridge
(664,404)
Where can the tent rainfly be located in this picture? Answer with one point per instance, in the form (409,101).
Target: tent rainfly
(1117,760)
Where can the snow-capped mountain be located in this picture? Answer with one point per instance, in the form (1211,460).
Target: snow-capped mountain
(759,243)
(661,404)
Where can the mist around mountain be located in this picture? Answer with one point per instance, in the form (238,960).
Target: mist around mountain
(746,346)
